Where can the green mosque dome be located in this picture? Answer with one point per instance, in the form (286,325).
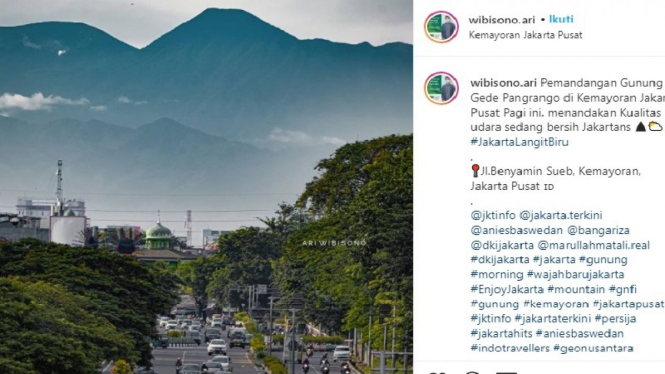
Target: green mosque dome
(158,232)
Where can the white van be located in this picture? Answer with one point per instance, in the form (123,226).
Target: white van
(341,353)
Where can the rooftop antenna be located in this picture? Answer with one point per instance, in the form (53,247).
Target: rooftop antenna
(60,204)
(159,218)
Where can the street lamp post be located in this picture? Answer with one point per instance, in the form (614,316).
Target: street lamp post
(272,298)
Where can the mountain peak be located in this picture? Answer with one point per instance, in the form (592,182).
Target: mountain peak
(221,26)
(60,36)
(229,12)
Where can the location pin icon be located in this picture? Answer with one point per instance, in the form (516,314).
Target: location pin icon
(475,168)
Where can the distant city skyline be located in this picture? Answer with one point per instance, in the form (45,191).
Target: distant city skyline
(140,22)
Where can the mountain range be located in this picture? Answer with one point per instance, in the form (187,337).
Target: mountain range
(163,156)
(225,72)
(224,112)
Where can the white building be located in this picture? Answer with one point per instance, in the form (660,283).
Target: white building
(42,208)
(210,237)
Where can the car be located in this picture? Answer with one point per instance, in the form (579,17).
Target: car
(163,321)
(217,346)
(211,334)
(143,370)
(236,330)
(185,323)
(225,361)
(196,324)
(172,325)
(195,335)
(238,341)
(342,352)
(194,328)
(228,321)
(214,367)
(190,369)
(217,322)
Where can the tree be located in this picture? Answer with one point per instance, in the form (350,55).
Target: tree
(243,257)
(363,199)
(344,175)
(122,367)
(46,329)
(178,242)
(117,288)
(196,276)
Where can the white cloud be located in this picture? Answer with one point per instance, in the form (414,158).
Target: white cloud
(287,136)
(333,141)
(61,52)
(126,100)
(280,137)
(36,102)
(98,108)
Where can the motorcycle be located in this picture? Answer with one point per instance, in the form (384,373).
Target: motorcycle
(345,368)
(305,368)
(309,352)
(177,369)
(325,370)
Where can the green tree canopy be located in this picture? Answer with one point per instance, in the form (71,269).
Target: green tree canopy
(46,329)
(196,276)
(364,199)
(118,288)
(243,257)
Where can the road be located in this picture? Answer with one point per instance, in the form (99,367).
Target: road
(315,366)
(164,362)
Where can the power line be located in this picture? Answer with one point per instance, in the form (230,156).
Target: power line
(168,211)
(157,194)
(180,211)
(181,221)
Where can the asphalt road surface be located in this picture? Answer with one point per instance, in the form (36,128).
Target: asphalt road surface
(315,364)
(164,362)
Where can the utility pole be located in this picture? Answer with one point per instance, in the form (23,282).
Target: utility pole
(293,342)
(249,302)
(256,297)
(272,298)
(371,360)
(392,350)
(382,356)
(188,226)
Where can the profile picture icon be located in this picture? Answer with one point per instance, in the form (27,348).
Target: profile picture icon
(441,88)
(441,27)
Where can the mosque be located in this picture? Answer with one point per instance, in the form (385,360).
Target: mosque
(160,246)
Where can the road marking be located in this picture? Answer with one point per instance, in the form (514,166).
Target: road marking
(183,356)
